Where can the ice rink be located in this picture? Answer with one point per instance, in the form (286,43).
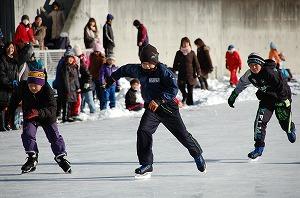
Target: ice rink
(103,157)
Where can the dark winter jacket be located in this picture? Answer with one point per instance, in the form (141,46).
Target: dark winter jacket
(158,85)
(187,66)
(142,35)
(106,72)
(43,101)
(67,81)
(130,98)
(8,73)
(85,77)
(204,60)
(108,36)
(271,86)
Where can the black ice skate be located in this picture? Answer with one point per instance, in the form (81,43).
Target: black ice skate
(143,172)
(292,133)
(200,162)
(30,164)
(63,163)
(254,155)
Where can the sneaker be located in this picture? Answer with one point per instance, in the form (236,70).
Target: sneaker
(200,162)
(30,164)
(63,163)
(256,153)
(292,134)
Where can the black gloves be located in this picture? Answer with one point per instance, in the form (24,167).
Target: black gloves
(232,98)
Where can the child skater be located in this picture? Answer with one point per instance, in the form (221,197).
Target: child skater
(274,94)
(159,89)
(39,109)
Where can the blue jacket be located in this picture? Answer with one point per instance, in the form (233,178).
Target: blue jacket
(157,85)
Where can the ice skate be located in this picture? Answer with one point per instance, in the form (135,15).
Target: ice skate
(143,172)
(292,134)
(255,154)
(30,164)
(63,163)
(201,164)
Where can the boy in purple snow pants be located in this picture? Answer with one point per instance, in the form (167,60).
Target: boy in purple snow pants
(39,109)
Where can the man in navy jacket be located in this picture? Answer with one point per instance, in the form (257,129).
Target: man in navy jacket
(159,89)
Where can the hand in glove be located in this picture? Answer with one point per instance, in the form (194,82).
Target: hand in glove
(232,98)
(33,113)
(283,109)
(109,82)
(285,103)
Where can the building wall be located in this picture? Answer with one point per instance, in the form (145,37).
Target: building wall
(248,25)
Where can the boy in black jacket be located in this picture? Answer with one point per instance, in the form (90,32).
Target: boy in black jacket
(39,109)
(274,94)
(159,90)
(130,97)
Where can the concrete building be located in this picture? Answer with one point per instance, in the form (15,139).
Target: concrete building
(248,25)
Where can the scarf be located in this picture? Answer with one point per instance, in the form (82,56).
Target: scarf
(186,50)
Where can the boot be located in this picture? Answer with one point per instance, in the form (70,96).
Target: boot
(63,163)
(200,162)
(30,164)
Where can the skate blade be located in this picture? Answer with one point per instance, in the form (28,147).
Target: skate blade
(69,171)
(30,170)
(146,175)
(253,160)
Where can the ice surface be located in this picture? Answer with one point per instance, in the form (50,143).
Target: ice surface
(102,151)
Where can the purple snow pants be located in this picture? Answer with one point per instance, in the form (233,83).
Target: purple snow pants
(29,138)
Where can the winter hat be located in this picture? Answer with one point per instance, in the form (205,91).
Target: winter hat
(77,50)
(136,23)
(25,17)
(36,73)
(69,52)
(149,54)
(98,47)
(255,58)
(273,46)
(230,47)
(109,17)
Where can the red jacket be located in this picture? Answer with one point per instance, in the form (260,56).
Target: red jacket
(233,61)
(23,35)
(142,35)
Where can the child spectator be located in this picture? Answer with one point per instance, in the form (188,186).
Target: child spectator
(108,94)
(130,97)
(24,33)
(97,59)
(233,64)
(85,81)
(39,109)
(67,84)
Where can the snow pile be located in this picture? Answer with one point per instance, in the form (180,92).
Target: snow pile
(218,93)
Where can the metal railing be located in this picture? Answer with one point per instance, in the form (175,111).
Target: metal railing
(51,59)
